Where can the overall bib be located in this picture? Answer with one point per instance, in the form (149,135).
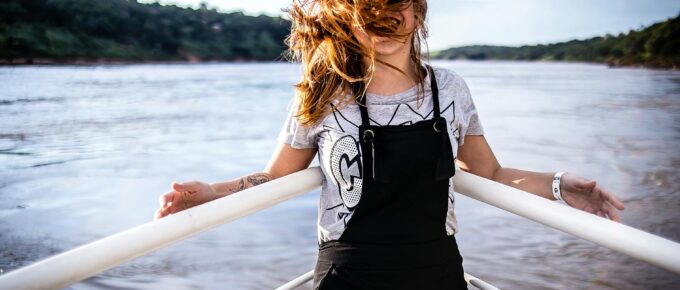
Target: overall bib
(396,237)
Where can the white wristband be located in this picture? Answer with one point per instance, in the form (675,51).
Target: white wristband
(556,185)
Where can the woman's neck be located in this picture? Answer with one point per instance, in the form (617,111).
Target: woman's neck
(388,81)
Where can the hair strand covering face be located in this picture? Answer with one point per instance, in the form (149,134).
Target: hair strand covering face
(334,70)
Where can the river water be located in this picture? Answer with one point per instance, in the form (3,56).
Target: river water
(86,150)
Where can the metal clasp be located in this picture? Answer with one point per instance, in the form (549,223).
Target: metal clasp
(434,126)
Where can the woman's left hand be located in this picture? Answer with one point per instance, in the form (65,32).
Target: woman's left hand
(585,195)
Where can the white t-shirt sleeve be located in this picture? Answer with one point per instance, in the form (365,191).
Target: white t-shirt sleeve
(469,118)
(295,134)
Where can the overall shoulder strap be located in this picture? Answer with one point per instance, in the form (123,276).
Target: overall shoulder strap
(435,91)
(361,102)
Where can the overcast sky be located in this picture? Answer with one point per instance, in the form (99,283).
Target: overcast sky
(504,22)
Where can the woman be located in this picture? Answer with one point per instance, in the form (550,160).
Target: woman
(384,126)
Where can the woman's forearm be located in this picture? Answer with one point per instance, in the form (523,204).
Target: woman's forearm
(538,183)
(228,187)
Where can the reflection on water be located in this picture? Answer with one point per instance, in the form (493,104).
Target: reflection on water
(85,151)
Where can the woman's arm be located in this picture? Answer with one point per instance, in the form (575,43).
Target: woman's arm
(476,157)
(284,161)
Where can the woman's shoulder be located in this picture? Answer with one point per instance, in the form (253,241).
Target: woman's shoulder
(449,80)
(453,88)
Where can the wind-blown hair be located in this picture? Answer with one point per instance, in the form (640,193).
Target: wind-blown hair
(332,58)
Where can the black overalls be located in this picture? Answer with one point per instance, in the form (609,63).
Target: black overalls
(396,238)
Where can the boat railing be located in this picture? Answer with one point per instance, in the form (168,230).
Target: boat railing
(306,277)
(85,261)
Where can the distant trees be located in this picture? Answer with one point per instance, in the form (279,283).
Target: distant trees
(655,46)
(62,30)
(112,30)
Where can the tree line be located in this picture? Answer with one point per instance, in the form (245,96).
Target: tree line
(65,30)
(657,45)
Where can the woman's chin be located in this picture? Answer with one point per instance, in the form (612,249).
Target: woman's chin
(387,48)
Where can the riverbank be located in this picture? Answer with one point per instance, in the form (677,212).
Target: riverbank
(123,32)
(105,61)
(109,61)
(656,46)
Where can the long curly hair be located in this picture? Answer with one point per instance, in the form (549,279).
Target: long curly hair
(334,71)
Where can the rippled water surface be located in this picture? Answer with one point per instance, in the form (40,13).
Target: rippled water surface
(86,150)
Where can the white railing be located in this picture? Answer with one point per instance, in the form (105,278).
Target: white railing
(72,266)
(87,260)
(297,282)
(306,277)
(481,285)
(616,236)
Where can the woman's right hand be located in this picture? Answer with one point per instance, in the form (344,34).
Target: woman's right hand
(284,161)
(183,196)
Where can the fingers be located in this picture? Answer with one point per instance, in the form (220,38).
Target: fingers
(599,201)
(158,214)
(169,202)
(166,198)
(186,186)
(608,204)
(170,208)
(609,197)
(611,212)
(164,210)
(588,185)
(178,186)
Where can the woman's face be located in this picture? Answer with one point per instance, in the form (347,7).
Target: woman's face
(385,46)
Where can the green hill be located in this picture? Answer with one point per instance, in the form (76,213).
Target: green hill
(655,46)
(68,31)
(65,31)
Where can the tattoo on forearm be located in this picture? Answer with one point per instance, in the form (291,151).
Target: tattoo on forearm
(257,179)
(241,186)
(250,181)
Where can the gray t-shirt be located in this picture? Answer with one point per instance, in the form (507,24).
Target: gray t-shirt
(336,139)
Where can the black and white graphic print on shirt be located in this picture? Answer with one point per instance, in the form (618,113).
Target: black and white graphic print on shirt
(346,166)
